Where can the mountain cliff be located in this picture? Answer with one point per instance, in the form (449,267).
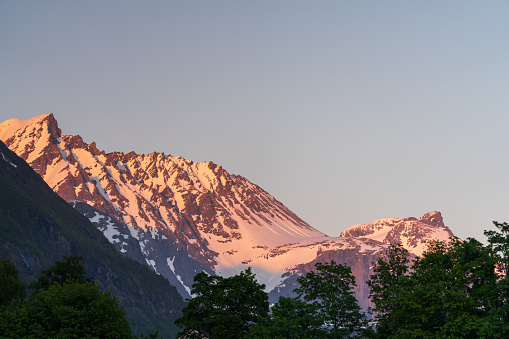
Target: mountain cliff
(181,217)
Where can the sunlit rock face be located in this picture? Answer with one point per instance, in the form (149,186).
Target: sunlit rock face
(180,217)
(412,233)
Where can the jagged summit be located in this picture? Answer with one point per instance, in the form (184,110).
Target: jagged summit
(13,125)
(44,128)
(9,127)
(412,233)
(433,218)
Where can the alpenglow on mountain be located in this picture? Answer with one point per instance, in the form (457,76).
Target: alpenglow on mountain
(181,217)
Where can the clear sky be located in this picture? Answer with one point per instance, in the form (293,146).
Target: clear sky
(345,111)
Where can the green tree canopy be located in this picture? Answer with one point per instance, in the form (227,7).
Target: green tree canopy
(64,304)
(330,290)
(449,292)
(223,307)
(70,310)
(290,318)
(69,269)
(499,243)
(11,289)
(390,288)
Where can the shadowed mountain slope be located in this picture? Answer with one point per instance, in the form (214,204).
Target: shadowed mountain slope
(37,227)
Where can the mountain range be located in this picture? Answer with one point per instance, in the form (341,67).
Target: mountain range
(180,217)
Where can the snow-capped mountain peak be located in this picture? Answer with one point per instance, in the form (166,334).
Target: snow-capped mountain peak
(412,233)
(218,219)
(180,217)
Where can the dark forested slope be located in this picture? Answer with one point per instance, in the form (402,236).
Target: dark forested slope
(37,227)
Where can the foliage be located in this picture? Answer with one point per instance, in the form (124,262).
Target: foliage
(389,288)
(70,310)
(330,290)
(223,307)
(499,243)
(70,269)
(237,307)
(65,304)
(290,318)
(11,289)
(153,335)
(449,292)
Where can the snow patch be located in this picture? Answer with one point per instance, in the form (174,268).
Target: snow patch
(152,264)
(96,218)
(8,161)
(134,232)
(170,262)
(110,231)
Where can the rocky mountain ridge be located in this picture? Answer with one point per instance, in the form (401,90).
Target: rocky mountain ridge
(411,232)
(181,217)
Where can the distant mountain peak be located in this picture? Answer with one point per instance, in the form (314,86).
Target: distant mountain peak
(411,232)
(433,218)
(48,121)
(41,130)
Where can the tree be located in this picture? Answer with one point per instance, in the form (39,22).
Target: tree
(389,288)
(330,290)
(223,307)
(69,310)
(290,318)
(65,304)
(448,292)
(11,289)
(70,269)
(499,243)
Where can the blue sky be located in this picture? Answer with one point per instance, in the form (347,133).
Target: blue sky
(346,111)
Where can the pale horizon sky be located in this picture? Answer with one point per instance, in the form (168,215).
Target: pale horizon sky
(345,111)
